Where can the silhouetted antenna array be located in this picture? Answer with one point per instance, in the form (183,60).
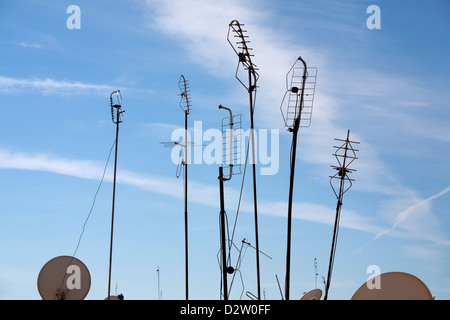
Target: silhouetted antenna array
(299,96)
(240,46)
(116,107)
(228,127)
(185,101)
(300,89)
(231,144)
(116,114)
(345,155)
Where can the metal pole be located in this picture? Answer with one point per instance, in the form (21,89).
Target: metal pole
(250,90)
(113,204)
(336,220)
(291,190)
(294,131)
(222,236)
(157,271)
(185,201)
(338,211)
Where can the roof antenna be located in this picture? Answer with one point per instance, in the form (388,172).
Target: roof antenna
(298,113)
(347,155)
(116,119)
(242,50)
(185,104)
(228,127)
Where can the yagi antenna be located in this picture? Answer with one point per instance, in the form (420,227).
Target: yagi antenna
(116,114)
(242,50)
(300,92)
(345,155)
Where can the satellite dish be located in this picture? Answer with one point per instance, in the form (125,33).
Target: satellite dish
(393,286)
(314,294)
(64,278)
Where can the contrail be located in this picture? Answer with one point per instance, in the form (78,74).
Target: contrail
(404,214)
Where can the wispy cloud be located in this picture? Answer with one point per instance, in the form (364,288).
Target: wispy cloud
(417,221)
(51,86)
(198,192)
(29,45)
(340,93)
(403,216)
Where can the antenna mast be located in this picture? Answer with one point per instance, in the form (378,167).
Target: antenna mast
(229,155)
(345,155)
(242,50)
(185,105)
(298,114)
(315,274)
(159,292)
(116,115)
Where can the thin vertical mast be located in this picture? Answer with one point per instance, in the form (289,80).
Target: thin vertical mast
(348,156)
(293,119)
(242,51)
(185,105)
(117,118)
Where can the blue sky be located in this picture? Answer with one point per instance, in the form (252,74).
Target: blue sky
(389,87)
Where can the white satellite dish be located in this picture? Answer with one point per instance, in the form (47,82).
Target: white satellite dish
(393,286)
(64,278)
(314,294)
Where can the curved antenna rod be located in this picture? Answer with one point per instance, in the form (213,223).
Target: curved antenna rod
(296,87)
(231,141)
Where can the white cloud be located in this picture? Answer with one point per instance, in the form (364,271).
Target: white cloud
(51,86)
(198,192)
(419,221)
(30,45)
(341,93)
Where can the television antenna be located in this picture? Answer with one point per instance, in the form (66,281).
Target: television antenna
(345,154)
(116,115)
(230,126)
(185,105)
(240,47)
(300,88)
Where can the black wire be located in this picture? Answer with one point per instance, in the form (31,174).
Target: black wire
(90,211)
